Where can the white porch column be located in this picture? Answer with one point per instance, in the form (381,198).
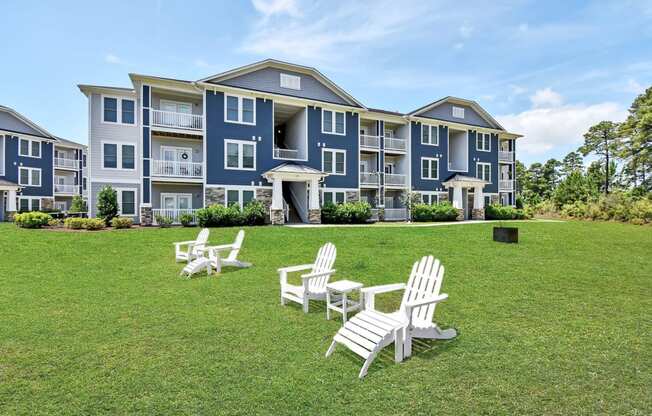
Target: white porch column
(314,194)
(277,194)
(478,198)
(11,201)
(457,196)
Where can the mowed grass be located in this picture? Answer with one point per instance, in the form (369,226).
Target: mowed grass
(100,323)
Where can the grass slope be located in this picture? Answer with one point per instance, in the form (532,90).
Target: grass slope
(94,323)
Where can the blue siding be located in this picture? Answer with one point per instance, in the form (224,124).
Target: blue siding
(13,162)
(444,111)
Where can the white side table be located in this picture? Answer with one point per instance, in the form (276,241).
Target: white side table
(344,305)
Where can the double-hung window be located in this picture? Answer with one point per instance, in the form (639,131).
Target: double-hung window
(29,148)
(333,122)
(118,110)
(483,171)
(430,135)
(239,154)
(430,199)
(29,176)
(333,161)
(239,197)
(429,168)
(240,110)
(333,197)
(483,142)
(118,156)
(126,201)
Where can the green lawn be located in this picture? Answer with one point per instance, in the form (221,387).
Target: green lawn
(100,323)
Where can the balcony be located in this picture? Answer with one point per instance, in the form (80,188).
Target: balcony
(369,142)
(175,169)
(291,154)
(174,120)
(395,144)
(506,185)
(393,179)
(174,214)
(369,179)
(65,189)
(65,163)
(504,156)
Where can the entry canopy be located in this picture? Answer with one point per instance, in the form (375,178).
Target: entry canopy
(8,186)
(291,171)
(464,182)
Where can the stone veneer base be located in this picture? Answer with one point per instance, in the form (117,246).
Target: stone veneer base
(146,216)
(477,214)
(314,216)
(276,217)
(460,215)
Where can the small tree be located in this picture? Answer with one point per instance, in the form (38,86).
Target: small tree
(602,139)
(107,204)
(573,188)
(78,204)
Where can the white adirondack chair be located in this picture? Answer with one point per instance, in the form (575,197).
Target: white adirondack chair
(314,282)
(370,331)
(217,261)
(190,250)
(196,266)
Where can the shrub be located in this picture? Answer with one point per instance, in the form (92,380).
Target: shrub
(74,223)
(254,213)
(499,212)
(443,211)
(163,221)
(78,204)
(107,204)
(186,219)
(55,222)
(122,222)
(221,216)
(32,219)
(349,213)
(641,212)
(93,224)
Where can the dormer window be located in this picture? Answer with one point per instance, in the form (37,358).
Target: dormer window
(458,112)
(292,82)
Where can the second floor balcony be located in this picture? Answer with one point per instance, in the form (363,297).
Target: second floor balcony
(369,142)
(175,169)
(395,144)
(67,189)
(395,180)
(66,163)
(506,185)
(505,156)
(289,154)
(183,121)
(369,179)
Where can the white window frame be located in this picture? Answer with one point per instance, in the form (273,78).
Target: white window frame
(119,192)
(429,159)
(430,195)
(484,135)
(118,117)
(240,144)
(176,196)
(334,196)
(240,109)
(290,82)
(457,112)
(30,205)
(30,146)
(430,136)
(240,191)
(334,151)
(333,117)
(188,150)
(477,167)
(119,155)
(59,204)
(29,176)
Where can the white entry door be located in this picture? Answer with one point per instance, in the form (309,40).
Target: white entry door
(176,201)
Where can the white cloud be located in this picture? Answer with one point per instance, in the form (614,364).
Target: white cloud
(112,59)
(466,30)
(276,7)
(546,98)
(545,129)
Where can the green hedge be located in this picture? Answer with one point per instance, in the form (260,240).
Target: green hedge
(613,207)
(444,211)
(499,212)
(91,224)
(32,219)
(349,213)
(122,222)
(221,216)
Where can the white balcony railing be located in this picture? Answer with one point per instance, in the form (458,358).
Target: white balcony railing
(369,142)
(64,189)
(177,120)
(176,169)
(174,214)
(394,143)
(369,178)
(394,179)
(504,156)
(62,162)
(506,185)
(286,153)
(395,214)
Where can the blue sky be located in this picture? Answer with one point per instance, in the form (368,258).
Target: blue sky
(545,69)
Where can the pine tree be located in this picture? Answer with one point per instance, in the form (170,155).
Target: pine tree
(572,162)
(602,140)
